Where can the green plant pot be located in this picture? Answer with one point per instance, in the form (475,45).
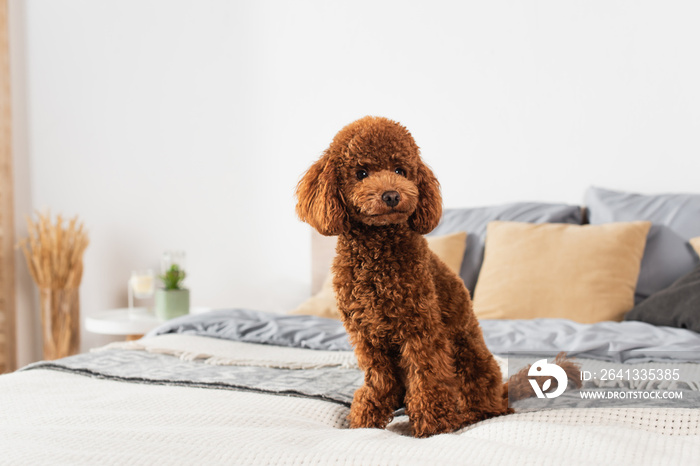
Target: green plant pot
(172,303)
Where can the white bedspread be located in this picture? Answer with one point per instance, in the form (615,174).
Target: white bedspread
(60,418)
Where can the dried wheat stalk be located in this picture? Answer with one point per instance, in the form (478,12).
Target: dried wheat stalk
(54,253)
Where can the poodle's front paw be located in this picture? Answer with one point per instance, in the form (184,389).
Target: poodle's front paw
(367,412)
(429,424)
(436,416)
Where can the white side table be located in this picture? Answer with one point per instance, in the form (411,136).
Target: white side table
(132,323)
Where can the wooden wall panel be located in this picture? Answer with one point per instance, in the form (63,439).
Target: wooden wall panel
(7,231)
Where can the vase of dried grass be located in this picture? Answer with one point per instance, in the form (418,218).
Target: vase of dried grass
(54,255)
(60,321)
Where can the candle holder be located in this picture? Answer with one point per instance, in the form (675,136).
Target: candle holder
(141,285)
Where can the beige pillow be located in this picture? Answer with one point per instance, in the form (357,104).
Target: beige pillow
(585,273)
(695,243)
(450,248)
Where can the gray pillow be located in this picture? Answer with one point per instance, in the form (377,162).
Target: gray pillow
(675,218)
(474,222)
(676,306)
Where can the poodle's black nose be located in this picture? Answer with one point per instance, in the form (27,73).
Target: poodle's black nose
(391,198)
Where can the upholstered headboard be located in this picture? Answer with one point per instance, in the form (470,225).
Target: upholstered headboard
(322,253)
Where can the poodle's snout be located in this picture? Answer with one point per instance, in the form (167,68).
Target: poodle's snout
(391,198)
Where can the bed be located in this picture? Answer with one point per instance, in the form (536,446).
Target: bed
(208,389)
(240,386)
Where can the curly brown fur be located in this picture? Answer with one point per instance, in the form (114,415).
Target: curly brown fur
(520,388)
(409,317)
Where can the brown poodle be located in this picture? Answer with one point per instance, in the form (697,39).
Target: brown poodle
(409,317)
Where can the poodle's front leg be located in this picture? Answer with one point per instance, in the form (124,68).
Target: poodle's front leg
(376,400)
(434,402)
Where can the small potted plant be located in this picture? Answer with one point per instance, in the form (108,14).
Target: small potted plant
(173,300)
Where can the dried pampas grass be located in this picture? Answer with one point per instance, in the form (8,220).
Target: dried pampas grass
(54,253)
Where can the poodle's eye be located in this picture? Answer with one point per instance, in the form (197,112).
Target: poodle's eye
(400,171)
(362,174)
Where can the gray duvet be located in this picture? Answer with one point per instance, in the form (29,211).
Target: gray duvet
(613,341)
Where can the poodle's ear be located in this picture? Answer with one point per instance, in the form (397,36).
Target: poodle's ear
(429,208)
(319,201)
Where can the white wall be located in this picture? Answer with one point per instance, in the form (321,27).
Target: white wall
(186,124)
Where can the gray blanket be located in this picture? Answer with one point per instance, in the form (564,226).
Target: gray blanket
(330,384)
(601,342)
(333,384)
